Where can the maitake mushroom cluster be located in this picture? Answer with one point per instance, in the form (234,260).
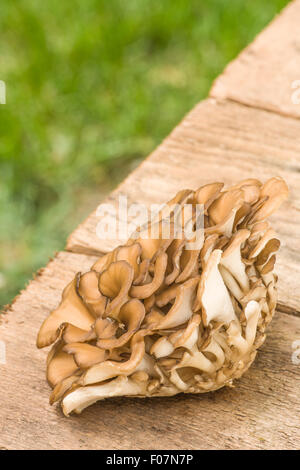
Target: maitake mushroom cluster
(155,318)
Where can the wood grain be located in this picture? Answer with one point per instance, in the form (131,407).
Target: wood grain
(250,130)
(219,141)
(263,74)
(262,411)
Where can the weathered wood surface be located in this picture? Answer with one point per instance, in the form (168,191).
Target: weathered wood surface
(261,412)
(263,74)
(249,130)
(227,142)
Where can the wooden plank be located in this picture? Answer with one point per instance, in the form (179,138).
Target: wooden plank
(220,141)
(262,411)
(264,73)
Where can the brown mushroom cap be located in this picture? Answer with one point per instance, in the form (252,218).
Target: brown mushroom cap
(72,334)
(146,290)
(87,288)
(208,193)
(132,255)
(222,207)
(276,191)
(108,369)
(85,355)
(114,283)
(131,315)
(71,310)
(59,365)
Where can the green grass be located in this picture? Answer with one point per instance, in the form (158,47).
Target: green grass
(92,87)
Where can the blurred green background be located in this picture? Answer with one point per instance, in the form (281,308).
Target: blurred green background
(92,87)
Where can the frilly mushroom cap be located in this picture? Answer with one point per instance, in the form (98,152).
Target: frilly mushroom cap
(156,318)
(130,317)
(71,310)
(114,283)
